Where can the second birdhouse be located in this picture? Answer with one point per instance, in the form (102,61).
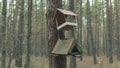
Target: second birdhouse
(67,47)
(60,19)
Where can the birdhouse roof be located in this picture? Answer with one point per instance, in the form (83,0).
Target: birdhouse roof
(63,46)
(65,12)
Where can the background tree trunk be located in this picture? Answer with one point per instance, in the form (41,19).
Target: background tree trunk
(90,39)
(72,58)
(29,32)
(3,34)
(117,28)
(109,29)
(20,34)
(80,23)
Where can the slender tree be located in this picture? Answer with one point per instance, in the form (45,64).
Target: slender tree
(9,32)
(117,28)
(104,30)
(97,26)
(29,32)
(80,26)
(109,29)
(20,34)
(3,33)
(72,59)
(90,39)
(15,14)
(88,30)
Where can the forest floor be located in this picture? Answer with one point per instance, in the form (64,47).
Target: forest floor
(103,62)
(87,62)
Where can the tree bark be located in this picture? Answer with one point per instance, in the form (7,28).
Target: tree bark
(20,34)
(90,39)
(29,32)
(72,58)
(80,23)
(117,28)
(109,29)
(3,33)
(60,60)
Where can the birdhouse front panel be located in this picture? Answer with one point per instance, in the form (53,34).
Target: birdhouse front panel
(59,18)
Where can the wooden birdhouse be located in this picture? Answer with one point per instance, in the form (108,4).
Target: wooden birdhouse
(66,47)
(60,19)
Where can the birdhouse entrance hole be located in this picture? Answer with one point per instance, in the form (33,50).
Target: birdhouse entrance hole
(75,49)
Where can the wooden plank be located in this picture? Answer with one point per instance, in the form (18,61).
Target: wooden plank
(65,12)
(63,46)
(70,24)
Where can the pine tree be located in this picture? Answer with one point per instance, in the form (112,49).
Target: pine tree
(20,34)
(109,30)
(80,25)
(3,34)
(90,39)
(54,61)
(117,28)
(29,32)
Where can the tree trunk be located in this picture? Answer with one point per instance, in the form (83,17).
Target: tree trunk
(90,39)
(3,34)
(29,32)
(9,33)
(104,31)
(54,61)
(97,23)
(80,26)
(15,14)
(117,28)
(109,29)
(20,34)
(72,59)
